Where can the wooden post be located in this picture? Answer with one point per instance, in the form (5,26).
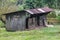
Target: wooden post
(38,20)
(44,20)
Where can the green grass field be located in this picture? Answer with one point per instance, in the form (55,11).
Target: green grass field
(40,34)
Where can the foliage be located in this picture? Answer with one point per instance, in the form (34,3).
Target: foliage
(1,24)
(52,15)
(21,7)
(42,3)
(7,6)
(58,17)
(26,4)
(33,3)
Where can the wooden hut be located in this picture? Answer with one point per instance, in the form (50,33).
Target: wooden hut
(26,19)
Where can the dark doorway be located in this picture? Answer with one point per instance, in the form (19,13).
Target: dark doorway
(26,23)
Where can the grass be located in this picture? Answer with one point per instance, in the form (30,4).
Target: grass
(40,34)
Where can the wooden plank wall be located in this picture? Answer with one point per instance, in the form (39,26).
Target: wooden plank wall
(16,23)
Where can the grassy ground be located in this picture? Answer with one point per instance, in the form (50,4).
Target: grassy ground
(40,34)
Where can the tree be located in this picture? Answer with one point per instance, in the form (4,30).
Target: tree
(7,6)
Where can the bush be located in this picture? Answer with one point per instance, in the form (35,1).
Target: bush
(58,18)
(1,24)
(21,7)
(52,15)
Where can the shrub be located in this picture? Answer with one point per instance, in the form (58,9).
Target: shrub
(1,24)
(21,7)
(58,17)
(52,15)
